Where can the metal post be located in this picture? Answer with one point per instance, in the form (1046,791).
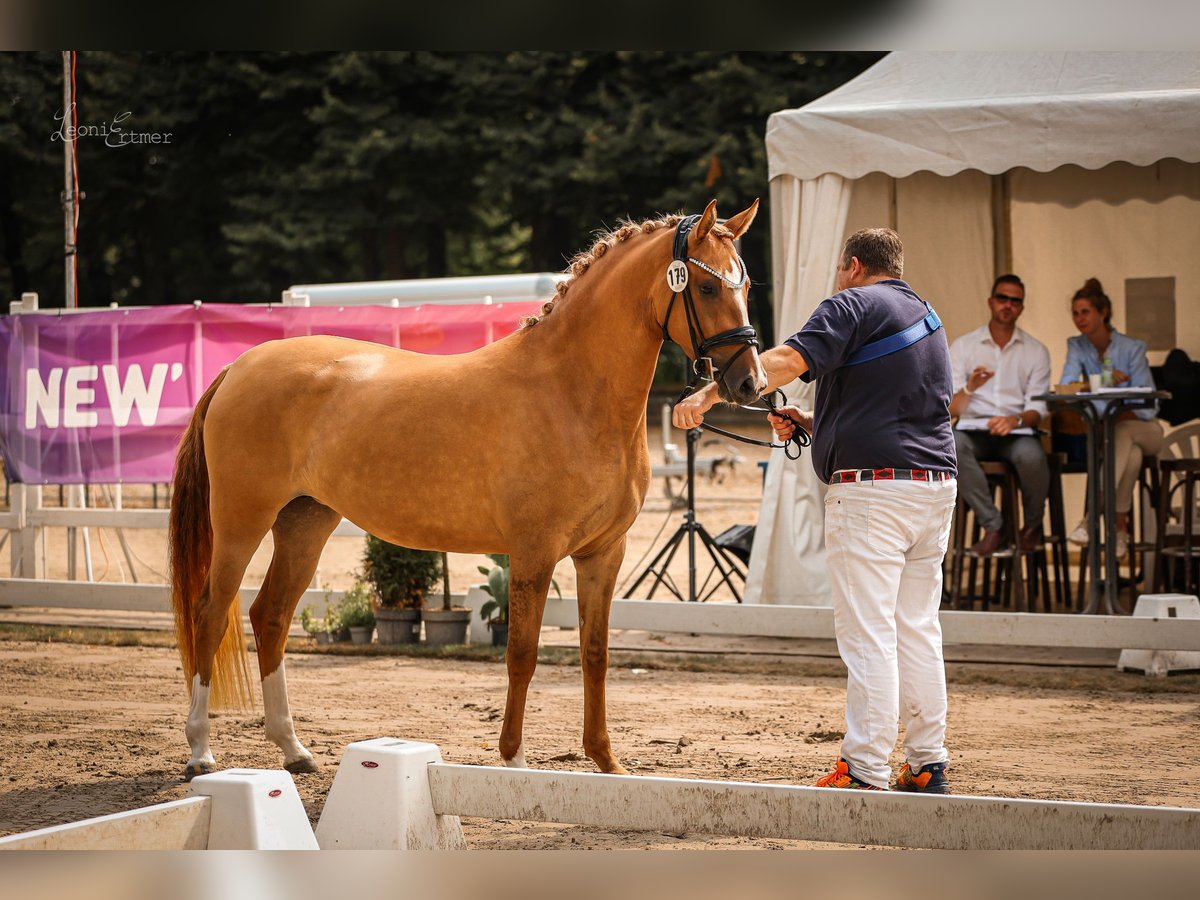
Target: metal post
(69,198)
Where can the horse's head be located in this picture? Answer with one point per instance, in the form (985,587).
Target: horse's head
(707,312)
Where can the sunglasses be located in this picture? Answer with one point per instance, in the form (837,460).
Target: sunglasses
(1008,298)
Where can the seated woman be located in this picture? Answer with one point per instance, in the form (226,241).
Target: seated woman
(1138,433)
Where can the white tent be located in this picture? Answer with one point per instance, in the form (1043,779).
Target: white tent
(1057,166)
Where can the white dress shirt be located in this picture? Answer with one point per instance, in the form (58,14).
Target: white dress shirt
(1022,370)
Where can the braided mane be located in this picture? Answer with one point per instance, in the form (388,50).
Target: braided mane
(583,260)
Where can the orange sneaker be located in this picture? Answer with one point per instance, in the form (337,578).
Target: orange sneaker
(840,777)
(930,779)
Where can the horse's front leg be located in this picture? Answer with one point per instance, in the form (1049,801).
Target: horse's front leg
(527,589)
(597,580)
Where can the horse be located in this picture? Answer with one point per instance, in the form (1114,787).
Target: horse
(534,446)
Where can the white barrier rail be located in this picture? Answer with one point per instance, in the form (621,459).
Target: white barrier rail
(237,809)
(892,819)
(393,794)
(958,627)
(119,596)
(992,629)
(178,825)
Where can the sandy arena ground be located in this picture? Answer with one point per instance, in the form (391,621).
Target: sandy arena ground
(90,729)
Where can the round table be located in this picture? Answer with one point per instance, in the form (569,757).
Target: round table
(1101,435)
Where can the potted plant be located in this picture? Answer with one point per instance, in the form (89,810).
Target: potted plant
(356,613)
(400,577)
(447,625)
(495,611)
(323,630)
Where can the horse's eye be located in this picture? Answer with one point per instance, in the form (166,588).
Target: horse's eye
(708,288)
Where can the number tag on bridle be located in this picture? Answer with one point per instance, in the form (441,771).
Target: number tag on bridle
(677,275)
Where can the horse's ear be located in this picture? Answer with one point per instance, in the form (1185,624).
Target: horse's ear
(704,226)
(739,223)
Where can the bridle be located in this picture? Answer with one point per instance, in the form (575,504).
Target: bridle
(702,366)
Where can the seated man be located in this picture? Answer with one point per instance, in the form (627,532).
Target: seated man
(997,370)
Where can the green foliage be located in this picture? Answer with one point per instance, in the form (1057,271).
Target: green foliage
(497,587)
(312,625)
(355,609)
(498,577)
(400,576)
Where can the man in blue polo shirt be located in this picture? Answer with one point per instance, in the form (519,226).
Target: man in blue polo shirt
(882,442)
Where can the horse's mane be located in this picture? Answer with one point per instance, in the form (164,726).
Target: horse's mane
(583,260)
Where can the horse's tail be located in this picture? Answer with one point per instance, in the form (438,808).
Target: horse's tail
(191,542)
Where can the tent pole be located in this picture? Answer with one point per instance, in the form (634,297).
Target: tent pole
(1001,225)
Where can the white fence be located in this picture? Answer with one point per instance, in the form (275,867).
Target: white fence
(667,616)
(391,794)
(237,809)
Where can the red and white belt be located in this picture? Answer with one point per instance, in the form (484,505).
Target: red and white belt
(846,476)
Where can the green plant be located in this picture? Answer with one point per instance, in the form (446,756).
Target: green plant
(332,622)
(498,578)
(400,576)
(310,623)
(355,609)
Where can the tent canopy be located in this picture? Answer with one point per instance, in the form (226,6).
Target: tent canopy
(1057,166)
(992,112)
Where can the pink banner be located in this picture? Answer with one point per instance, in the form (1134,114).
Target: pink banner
(102,397)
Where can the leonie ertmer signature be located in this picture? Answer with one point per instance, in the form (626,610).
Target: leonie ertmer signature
(112,132)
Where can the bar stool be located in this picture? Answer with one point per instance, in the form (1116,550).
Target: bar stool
(1000,571)
(1144,526)
(1015,578)
(1057,538)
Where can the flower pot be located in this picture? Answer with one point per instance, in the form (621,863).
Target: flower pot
(361,634)
(499,633)
(398,626)
(323,637)
(446,626)
(342,634)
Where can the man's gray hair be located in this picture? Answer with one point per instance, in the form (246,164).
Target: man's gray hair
(880,250)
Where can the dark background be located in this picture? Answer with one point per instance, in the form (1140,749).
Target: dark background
(302,167)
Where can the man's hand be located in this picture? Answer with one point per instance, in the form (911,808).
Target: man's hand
(980,376)
(784,428)
(1002,425)
(689,412)
(1119,377)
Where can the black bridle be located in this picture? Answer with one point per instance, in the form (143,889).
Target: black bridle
(702,366)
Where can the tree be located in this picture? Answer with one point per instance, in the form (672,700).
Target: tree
(297,167)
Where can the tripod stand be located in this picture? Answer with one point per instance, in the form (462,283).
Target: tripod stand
(723,563)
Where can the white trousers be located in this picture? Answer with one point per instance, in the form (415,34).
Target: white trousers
(885,542)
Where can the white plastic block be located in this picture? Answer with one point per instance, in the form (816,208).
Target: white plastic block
(254,809)
(380,800)
(1163,662)
(477,632)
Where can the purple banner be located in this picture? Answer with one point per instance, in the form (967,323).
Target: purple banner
(102,397)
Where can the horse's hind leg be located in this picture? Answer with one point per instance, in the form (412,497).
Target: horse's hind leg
(232,550)
(527,601)
(300,532)
(597,579)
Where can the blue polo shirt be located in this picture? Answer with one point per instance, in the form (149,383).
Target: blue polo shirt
(890,412)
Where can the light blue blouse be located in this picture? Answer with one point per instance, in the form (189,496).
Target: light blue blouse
(1127,354)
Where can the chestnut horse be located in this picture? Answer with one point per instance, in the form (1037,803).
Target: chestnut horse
(534,446)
